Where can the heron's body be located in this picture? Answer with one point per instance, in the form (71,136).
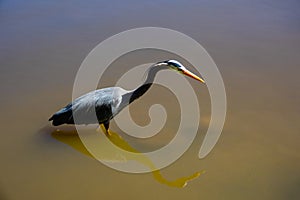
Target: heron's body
(100,106)
(105,102)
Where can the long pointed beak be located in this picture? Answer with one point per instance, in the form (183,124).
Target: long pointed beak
(190,74)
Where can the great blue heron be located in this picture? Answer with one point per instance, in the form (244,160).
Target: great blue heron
(100,106)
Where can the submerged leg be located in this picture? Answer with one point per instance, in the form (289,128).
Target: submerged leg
(106,126)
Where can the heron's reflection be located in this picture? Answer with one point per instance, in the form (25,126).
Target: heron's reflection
(71,138)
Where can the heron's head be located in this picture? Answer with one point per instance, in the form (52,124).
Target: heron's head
(177,66)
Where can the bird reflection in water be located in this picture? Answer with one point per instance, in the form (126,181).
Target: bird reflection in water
(71,138)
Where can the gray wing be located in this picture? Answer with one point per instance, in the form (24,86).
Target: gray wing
(109,105)
(93,107)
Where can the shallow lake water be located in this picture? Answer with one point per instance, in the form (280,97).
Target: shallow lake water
(256,46)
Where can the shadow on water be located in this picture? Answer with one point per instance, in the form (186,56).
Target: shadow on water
(70,137)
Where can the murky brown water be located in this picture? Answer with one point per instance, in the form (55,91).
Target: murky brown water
(256,45)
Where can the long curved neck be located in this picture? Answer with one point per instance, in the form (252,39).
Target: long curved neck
(146,85)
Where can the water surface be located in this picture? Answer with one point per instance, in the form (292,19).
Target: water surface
(256,45)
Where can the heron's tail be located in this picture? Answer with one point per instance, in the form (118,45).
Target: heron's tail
(64,116)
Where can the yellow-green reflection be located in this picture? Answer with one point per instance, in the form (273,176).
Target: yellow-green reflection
(71,138)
